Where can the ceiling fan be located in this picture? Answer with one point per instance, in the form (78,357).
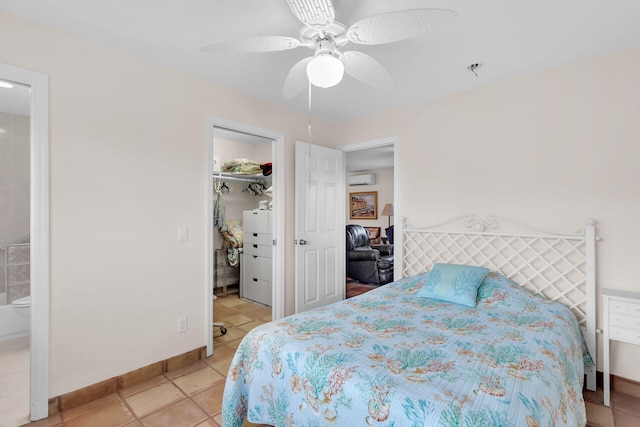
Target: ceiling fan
(326,36)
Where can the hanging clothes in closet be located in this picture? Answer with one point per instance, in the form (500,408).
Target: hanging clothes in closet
(219,211)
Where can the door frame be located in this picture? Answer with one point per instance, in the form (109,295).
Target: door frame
(39,234)
(278,182)
(382,142)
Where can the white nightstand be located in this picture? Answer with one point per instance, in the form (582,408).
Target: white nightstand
(621,316)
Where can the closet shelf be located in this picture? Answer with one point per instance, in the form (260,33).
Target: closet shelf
(241,177)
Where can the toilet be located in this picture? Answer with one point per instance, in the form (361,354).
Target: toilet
(22,307)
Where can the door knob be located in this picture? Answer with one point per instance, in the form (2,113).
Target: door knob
(302,242)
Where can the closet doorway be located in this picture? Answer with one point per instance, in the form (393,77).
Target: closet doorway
(245,217)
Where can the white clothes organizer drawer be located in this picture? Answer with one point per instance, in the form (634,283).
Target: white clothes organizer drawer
(255,283)
(256,221)
(621,318)
(258,244)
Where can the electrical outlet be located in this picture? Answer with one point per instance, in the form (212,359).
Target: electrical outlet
(182,324)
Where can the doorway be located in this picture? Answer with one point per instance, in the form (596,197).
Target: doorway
(38,232)
(341,205)
(371,171)
(227,140)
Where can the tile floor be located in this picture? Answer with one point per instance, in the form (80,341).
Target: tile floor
(191,396)
(14,381)
(624,410)
(187,397)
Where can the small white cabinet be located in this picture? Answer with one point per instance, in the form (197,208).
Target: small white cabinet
(255,283)
(621,318)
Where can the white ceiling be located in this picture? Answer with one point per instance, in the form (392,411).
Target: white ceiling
(508,37)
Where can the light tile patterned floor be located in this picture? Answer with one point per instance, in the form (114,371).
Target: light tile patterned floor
(14,381)
(192,396)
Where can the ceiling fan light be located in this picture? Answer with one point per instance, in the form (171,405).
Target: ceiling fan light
(325,70)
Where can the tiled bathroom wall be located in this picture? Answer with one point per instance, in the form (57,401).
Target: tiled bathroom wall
(14,199)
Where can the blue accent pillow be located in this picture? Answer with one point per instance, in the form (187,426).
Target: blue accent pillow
(453,283)
(495,285)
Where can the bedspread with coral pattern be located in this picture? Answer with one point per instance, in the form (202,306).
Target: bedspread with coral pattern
(389,358)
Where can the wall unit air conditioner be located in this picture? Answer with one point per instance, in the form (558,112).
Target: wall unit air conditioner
(364,179)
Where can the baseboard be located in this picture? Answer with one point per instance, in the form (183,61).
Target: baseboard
(625,386)
(619,384)
(112,385)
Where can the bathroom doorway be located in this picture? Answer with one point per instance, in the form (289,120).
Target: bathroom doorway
(25,233)
(14,250)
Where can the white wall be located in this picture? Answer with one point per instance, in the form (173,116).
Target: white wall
(127,167)
(550,149)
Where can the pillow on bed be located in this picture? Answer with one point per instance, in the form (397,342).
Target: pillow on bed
(453,283)
(493,285)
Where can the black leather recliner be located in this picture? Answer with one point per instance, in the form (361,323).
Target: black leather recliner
(365,263)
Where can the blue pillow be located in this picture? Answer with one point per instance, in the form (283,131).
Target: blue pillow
(495,285)
(453,283)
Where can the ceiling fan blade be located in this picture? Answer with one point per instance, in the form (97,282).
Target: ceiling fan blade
(400,25)
(253,45)
(296,80)
(317,14)
(369,71)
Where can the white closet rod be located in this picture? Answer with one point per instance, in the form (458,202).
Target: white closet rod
(243,178)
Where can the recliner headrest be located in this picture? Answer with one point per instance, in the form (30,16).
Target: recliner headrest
(357,236)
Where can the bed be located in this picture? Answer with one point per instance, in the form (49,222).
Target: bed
(515,356)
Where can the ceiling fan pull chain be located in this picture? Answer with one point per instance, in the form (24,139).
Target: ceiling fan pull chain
(310,136)
(309,125)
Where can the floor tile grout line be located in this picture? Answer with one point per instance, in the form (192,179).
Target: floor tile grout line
(129,408)
(615,409)
(139,418)
(172,381)
(190,398)
(209,416)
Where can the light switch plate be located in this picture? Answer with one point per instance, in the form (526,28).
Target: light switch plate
(182,324)
(183,233)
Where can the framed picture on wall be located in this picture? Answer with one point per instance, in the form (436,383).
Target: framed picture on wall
(363,205)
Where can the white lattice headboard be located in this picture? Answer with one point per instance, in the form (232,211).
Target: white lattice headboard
(559,266)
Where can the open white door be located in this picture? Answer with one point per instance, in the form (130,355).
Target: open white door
(320,226)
